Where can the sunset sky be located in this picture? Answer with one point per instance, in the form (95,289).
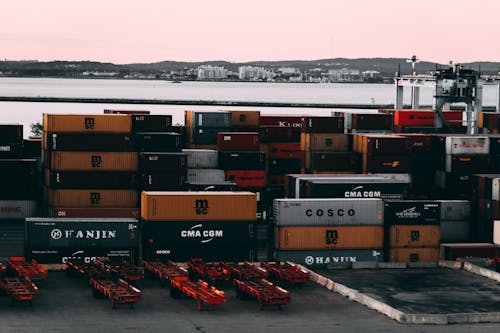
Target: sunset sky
(126,31)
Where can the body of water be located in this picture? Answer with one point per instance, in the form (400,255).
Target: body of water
(27,113)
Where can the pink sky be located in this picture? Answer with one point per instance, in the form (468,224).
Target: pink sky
(125,31)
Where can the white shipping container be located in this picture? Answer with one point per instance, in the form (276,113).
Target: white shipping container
(322,212)
(464,145)
(205,175)
(496,232)
(202,158)
(17,209)
(495,190)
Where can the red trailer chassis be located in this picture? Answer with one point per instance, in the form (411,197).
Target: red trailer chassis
(200,291)
(214,271)
(29,270)
(19,289)
(246,271)
(120,292)
(266,292)
(123,270)
(165,271)
(287,272)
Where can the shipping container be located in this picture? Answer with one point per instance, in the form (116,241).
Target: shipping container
(414,236)
(312,124)
(327,258)
(198,206)
(88,161)
(92,198)
(238,141)
(249,160)
(453,251)
(456,231)
(334,161)
(108,123)
(425,118)
(165,162)
(325,141)
(455,210)
(368,121)
(456,186)
(280,134)
(87,255)
(160,181)
(19,179)
(152,123)
(211,186)
(292,121)
(424,162)
(317,212)
(53,233)
(91,179)
(487,186)
(495,143)
(489,120)
(197,119)
(32,148)
(11,149)
(247,178)
(205,175)
(111,142)
(244,119)
(419,142)
(422,254)
(95,212)
(204,135)
(462,145)
(468,164)
(363,187)
(412,212)
(283,166)
(496,232)
(183,254)
(131,112)
(386,163)
(285,150)
(11,132)
(382,144)
(331,237)
(158,142)
(202,158)
(17,209)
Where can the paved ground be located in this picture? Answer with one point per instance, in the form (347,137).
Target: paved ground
(67,305)
(433,291)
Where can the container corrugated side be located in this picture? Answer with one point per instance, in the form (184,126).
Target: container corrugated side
(17,209)
(331,237)
(463,145)
(456,231)
(304,212)
(92,198)
(198,206)
(202,158)
(455,210)
(423,254)
(322,258)
(414,236)
(87,123)
(322,141)
(87,161)
(205,175)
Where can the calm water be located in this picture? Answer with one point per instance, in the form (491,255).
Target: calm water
(28,113)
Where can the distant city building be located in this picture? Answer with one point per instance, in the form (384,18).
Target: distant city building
(252,73)
(95,73)
(207,72)
(288,70)
(344,75)
(371,74)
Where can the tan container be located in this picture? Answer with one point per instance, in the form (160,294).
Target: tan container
(93,161)
(244,119)
(322,237)
(422,254)
(324,141)
(92,198)
(109,123)
(198,206)
(414,236)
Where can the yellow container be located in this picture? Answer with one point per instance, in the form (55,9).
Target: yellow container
(414,235)
(421,254)
(324,142)
(109,123)
(93,161)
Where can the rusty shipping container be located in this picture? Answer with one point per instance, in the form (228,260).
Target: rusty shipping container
(325,141)
(91,198)
(422,254)
(279,134)
(95,212)
(198,206)
(414,236)
(247,178)
(285,150)
(163,162)
(87,123)
(238,141)
(303,212)
(312,124)
(244,119)
(91,179)
(88,161)
(112,142)
(331,237)
(158,141)
(202,158)
(151,123)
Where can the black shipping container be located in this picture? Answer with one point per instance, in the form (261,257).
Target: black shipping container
(335,161)
(164,162)
(422,161)
(386,163)
(205,135)
(32,148)
(279,134)
(66,233)
(152,123)
(283,166)
(11,133)
(371,121)
(210,119)
(18,178)
(322,124)
(91,179)
(494,144)
(49,255)
(252,160)
(182,254)
(11,149)
(467,164)
(158,181)
(115,142)
(385,188)
(411,212)
(158,142)
(215,186)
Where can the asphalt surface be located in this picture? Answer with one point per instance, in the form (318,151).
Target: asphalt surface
(66,304)
(432,291)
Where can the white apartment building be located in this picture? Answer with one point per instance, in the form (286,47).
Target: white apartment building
(207,72)
(254,73)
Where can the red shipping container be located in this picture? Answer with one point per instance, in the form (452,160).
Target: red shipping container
(281,121)
(238,141)
(247,178)
(96,212)
(425,118)
(322,124)
(280,134)
(285,150)
(277,179)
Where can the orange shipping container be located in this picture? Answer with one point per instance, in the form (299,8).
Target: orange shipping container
(93,161)
(331,237)
(422,254)
(324,141)
(414,236)
(198,206)
(92,198)
(109,123)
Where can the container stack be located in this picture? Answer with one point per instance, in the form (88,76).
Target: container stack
(90,166)
(486,189)
(489,122)
(422,121)
(456,221)
(375,123)
(459,157)
(412,230)
(214,226)
(202,128)
(320,232)
(19,194)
